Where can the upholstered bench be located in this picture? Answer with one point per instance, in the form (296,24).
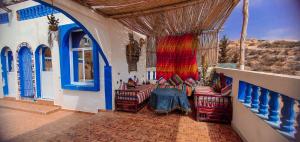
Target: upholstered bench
(213,106)
(132,100)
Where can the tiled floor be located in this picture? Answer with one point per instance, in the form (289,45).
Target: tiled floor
(109,126)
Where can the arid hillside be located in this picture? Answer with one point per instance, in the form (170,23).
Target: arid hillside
(281,57)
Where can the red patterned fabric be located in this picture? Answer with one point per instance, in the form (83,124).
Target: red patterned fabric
(177,55)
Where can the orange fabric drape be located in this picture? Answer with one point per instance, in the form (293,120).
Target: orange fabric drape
(177,55)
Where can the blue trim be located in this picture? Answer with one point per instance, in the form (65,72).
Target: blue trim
(43,59)
(4,18)
(35,12)
(38,68)
(4,71)
(65,31)
(148,75)
(81,26)
(10,59)
(108,89)
(108,85)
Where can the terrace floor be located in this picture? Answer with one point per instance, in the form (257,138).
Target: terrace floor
(109,126)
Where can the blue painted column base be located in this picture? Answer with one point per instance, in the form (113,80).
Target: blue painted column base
(288,115)
(108,87)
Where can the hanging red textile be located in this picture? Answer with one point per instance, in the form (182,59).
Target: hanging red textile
(177,55)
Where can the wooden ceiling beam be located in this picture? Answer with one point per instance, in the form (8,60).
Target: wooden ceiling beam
(157,9)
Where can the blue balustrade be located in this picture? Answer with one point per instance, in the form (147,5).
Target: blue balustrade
(254,98)
(287,115)
(247,101)
(266,104)
(273,107)
(34,12)
(242,91)
(4,18)
(263,102)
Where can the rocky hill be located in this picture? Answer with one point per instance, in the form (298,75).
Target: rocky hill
(281,57)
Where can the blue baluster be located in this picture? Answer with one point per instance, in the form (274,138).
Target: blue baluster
(35,12)
(29,13)
(254,98)
(20,15)
(263,102)
(273,107)
(242,91)
(247,101)
(287,114)
(297,134)
(24,14)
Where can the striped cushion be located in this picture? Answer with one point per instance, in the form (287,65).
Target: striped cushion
(140,96)
(176,79)
(161,81)
(226,90)
(171,82)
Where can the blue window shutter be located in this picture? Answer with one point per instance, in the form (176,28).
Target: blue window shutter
(10,59)
(43,59)
(4,72)
(75,66)
(148,75)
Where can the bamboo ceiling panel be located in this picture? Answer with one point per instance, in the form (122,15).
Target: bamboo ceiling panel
(165,17)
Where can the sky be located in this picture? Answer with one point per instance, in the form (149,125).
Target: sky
(268,20)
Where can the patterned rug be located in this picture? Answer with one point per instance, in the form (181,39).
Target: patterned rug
(147,126)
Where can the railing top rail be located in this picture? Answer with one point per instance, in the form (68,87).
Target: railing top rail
(288,85)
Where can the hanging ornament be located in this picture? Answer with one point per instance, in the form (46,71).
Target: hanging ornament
(53,27)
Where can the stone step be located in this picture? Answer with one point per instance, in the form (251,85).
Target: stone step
(28,106)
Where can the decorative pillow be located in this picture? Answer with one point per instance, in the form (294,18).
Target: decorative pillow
(189,90)
(226,90)
(176,79)
(161,81)
(190,81)
(130,83)
(171,82)
(222,80)
(217,85)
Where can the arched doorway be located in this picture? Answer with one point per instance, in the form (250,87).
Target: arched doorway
(26,80)
(7,66)
(44,74)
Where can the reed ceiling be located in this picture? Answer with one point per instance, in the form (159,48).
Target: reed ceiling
(165,17)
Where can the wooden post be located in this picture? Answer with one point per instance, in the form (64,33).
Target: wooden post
(218,47)
(244,35)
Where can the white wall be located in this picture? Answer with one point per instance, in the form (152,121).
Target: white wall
(110,34)
(245,122)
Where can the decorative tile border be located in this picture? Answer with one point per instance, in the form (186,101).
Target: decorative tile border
(34,12)
(25,44)
(4,18)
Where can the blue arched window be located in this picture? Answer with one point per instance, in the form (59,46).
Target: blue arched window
(79,59)
(82,57)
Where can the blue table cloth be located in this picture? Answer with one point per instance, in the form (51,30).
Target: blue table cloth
(164,100)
